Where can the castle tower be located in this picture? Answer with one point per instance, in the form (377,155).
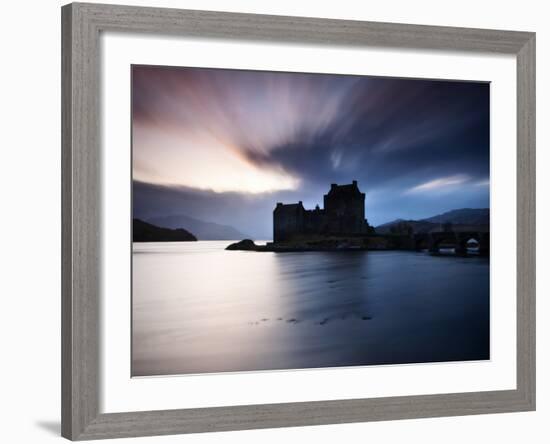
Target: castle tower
(345,208)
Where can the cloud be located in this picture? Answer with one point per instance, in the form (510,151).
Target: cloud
(439,184)
(222,134)
(205,128)
(483,183)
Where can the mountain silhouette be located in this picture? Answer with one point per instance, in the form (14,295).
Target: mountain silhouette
(145,232)
(464,219)
(203,230)
(466,216)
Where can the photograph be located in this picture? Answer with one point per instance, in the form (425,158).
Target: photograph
(289,220)
(275,222)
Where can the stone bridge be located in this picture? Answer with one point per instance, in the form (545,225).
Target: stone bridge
(459,240)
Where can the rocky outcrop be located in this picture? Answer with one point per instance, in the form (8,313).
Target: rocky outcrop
(244,245)
(144,232)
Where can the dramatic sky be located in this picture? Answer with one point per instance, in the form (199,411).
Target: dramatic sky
(225,145)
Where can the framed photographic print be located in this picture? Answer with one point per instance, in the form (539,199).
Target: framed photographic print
(278,221)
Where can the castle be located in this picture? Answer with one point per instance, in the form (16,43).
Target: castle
(343,215)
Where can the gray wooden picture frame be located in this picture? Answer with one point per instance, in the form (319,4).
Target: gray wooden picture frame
(81,172)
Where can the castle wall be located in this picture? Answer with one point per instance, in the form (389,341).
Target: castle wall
(315,222)
(345,211)
(287,222)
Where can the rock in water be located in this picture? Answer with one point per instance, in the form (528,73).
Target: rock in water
(244,245)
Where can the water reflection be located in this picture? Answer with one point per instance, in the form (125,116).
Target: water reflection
(198,308)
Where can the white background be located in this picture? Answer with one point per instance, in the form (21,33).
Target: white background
(120,393)
(30,221)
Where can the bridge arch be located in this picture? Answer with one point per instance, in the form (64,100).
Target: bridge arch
(422,242)
(482,240)
(444,238)
(459,240)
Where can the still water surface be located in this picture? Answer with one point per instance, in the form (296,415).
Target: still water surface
(197,308)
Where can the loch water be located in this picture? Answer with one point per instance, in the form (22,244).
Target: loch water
(197,308)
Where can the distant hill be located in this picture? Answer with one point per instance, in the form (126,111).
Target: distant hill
(416,225)
(145,232)
(464,216)
(465,219)
(203,230)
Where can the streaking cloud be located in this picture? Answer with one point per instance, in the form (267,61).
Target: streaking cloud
(443,183)
(483,183)
(204,128)
(416,147)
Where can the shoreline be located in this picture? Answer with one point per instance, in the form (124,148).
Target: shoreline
(343,245)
